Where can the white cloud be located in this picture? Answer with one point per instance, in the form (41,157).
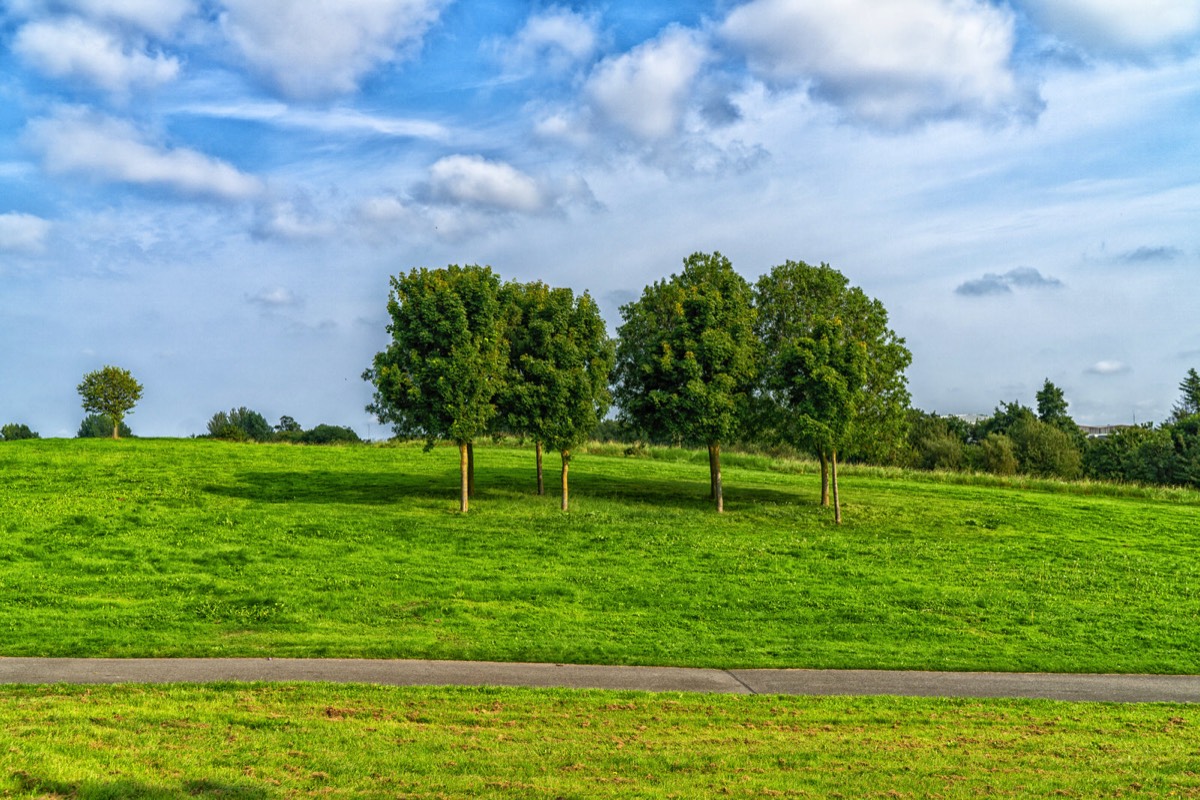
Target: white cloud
(1119,27)
(75,141)
(309,49)
(475,181)
(336,120)
(23,232)
(157,17)
(889,64)
(1108,368)
(278,297)
(558,38)
(645,91)
(74,49)
(292,220)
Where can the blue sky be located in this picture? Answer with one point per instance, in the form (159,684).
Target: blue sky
(214,194)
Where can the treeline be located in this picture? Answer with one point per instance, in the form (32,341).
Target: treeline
(245,425)
(1047,442)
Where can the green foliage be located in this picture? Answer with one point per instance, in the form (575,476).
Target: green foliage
(998,455)
(14,431)
(793,298)
(559,364)
(446,361)
(1045,450)
(288,425)
(240,425)
(1052,405)
(1189,403)
(111,391)
(98,426)
(329,434)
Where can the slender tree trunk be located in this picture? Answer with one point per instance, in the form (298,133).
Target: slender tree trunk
(566,465)
(537,446)
(837,504)
(116,428)
(824,478)
(712,473)
(714,456)
(463,470)
(470,469)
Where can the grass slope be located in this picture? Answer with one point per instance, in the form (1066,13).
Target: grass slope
(198,548)
(255,741)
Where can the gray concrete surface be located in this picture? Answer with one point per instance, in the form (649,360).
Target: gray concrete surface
(1109,688)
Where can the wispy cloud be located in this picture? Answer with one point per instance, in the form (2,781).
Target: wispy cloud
(275,298)
(335,120)
(1146,255)
(23,233)
(995,284)
(1111,28)
(555,39)
(1108,368)
(79,141)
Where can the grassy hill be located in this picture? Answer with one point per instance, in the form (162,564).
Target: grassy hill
(198,548)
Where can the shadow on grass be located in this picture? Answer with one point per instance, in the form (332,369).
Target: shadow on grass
(134,789)
(508,483)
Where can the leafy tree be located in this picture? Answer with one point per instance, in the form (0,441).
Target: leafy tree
(686,360)
(559,365)
(446,361)
(288,425)
(1189,403)
(815,382)
(1045,450)
(110,391)
(240,425)
(329,434)
(98,426)
(14,431)
(998,454)
(1051,404)
(937,442)
(792,300)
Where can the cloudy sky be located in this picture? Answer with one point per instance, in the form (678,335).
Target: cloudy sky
(214,193)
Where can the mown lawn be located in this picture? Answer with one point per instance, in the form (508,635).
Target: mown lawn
(199,548)
(256,741)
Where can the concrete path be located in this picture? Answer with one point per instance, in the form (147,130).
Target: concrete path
(1110,688)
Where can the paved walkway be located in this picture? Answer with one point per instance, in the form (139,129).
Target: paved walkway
(1111,688)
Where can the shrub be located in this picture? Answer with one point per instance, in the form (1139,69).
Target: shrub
(240,425)
(330,434)
(1044,450)
(100,426)
(14,431)
(999,456)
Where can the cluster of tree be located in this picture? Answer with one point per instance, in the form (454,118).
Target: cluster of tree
(801,358)
(100,426)
(14,431)
(246,425)
(1048,443)
(471,356)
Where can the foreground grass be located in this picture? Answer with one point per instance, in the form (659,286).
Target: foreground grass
(252,741)
(196,548)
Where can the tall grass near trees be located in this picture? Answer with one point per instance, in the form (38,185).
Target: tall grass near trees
(202,548)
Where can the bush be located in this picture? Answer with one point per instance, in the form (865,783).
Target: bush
(999,456)
(1044,450)
(100,426)
(240,425)
(330,434)
(13,431)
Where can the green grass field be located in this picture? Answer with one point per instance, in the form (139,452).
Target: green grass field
(255,741)
(200,548)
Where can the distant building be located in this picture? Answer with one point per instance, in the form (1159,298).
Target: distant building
(1100,431)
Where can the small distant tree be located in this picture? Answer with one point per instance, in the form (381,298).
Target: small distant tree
(687,359)
(288,425)
(110,391)
(240,425)
(329,434)
(98,426)
(1189,403)
(14,431)
(440,374)
(1051,404)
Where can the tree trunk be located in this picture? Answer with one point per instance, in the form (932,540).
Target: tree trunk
(837,504)
(566,463)
(712,474)
(824,479)
(714,459)
(537,446)
(470,469)
(116,428)
(463,470)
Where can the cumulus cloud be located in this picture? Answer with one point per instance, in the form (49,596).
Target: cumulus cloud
(477,182)
(557,38)
(1108,368)
(645,91)
(311,50)
(23,233)
(76,141)
(71,48)
(994,284)
(1119,27)
(889,64)
(156,17)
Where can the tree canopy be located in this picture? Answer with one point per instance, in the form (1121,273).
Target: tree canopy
(686,359)
(1189,402)
(112,392)
(447,358)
